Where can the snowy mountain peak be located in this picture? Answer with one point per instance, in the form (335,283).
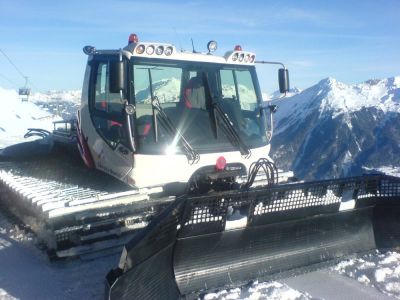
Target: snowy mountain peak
(277,94)
(328,82)
(333,98)
(391,82)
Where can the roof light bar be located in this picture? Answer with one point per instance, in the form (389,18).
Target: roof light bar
(242,57)
(150,49)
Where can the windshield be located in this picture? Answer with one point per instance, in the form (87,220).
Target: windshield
(183,94)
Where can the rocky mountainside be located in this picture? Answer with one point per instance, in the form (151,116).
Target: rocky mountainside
(333,129)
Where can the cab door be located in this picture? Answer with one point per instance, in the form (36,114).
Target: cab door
(111,150)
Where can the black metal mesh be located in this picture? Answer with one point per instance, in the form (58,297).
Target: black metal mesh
(389,187)
(284,202)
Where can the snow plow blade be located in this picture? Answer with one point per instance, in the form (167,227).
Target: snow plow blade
(204,243)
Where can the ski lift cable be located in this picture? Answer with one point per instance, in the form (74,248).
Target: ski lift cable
(13,64)
(18,70)
(9,80)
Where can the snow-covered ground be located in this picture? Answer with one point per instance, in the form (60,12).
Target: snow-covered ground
(26,273)
(260,290)
(393,171)
(388,170)
(379,269)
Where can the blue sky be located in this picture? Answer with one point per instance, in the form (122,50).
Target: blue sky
(351,41)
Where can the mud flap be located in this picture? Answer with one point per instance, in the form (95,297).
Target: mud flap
(227,239)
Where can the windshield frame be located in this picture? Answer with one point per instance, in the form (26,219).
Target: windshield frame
(206,67)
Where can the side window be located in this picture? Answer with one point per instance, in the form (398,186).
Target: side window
(107,107)
(104,100)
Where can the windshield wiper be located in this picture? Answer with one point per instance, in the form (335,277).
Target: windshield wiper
(229,129)
(191,154)
(158,112)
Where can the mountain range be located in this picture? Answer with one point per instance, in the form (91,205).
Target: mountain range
(333,129)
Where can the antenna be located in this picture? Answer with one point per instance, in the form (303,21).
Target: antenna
(194,51)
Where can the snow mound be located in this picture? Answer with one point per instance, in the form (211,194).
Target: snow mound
(17,116)
(387,170)
(390,170)
(4,295)
(263,290)
(380,270)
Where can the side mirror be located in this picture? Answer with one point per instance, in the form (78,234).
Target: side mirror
(283,77)
(117,76)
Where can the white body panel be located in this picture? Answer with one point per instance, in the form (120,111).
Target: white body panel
(153,170)
(145,170)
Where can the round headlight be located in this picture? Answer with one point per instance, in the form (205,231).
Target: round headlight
(168,51)
(235,57)
(212,46)
(247,58)
(252,58)
(150,50)
(140,49)
(159,50)
(241,57)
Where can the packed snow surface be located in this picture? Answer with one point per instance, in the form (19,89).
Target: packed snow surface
(26,273)
(379,269)
(260,290)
